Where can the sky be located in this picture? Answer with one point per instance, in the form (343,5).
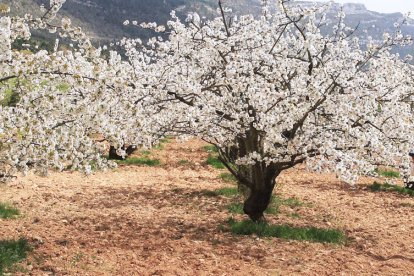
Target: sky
(385,6)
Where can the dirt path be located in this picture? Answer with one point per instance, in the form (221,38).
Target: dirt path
(158,221)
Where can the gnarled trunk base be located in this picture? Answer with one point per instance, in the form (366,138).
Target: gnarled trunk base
(257,203)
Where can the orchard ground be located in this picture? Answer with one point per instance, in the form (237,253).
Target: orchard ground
(161,220)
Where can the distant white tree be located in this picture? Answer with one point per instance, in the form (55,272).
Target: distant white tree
(274,92)
(67,99)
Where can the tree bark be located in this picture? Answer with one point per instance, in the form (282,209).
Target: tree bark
(113,155)
(259,178)
(261,188)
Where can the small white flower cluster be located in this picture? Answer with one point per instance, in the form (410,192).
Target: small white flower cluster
(5,38)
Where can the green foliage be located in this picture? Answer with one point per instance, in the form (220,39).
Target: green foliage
(276,202)
(7,211)
(378,187)
(228,177)
(235,208)
(10,97)
(161,143)
(63,87)
(290,202)
(36,44)
(215,162)
(228,192)
(165,140)
(12,252)
(262,229)
(159,146)
(139,161)
(387,173)
(213,159)
(210,149)
(272,209)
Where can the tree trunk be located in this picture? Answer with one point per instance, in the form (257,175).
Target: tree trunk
(113,155)
(259,178)
(261,188)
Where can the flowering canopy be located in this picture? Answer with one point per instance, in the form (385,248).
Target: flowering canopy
(67,98)
(278,92)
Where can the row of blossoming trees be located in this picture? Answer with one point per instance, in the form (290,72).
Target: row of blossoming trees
(269,92)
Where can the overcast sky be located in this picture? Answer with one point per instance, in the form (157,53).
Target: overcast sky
(385,6)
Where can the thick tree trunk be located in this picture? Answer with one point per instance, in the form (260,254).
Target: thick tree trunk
(257,203)
(259,177)
(263,182)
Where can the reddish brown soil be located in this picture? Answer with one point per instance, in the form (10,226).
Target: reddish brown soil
(159,221)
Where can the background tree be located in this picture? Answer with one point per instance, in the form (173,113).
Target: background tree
(65,99)
(274,92)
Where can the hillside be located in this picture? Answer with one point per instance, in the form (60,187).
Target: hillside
(103,18)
